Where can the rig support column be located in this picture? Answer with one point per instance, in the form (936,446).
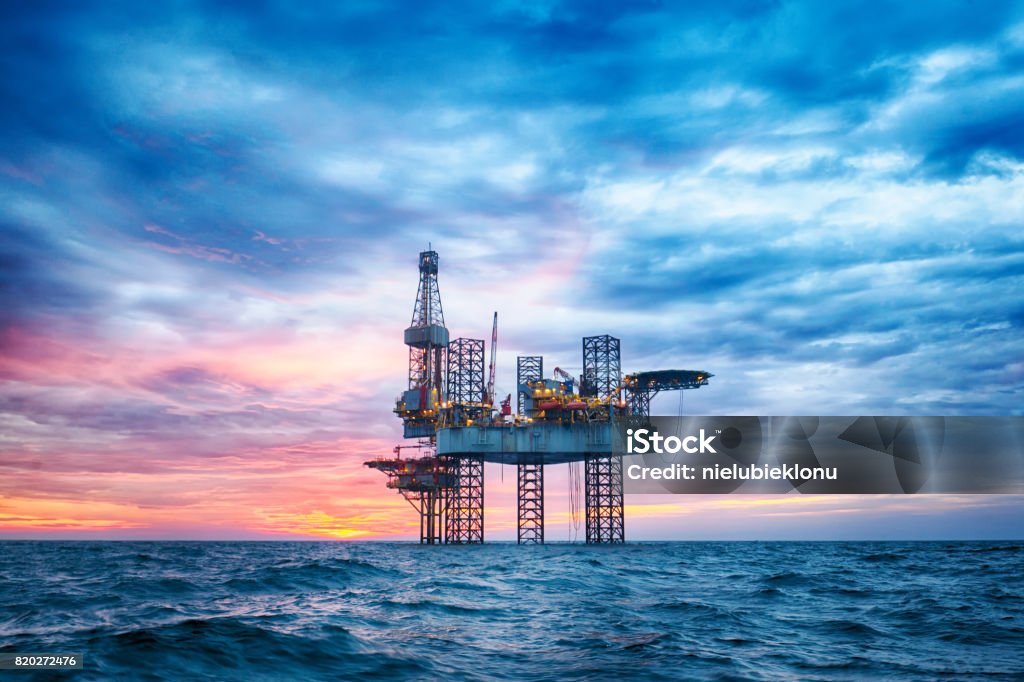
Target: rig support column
(431,510)
(603,494)
(602,478)
(466,500)
(530,502)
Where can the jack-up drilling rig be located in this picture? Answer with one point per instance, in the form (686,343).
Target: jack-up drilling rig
(449,408)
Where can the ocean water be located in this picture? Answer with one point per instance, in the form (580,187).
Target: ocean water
(661,611)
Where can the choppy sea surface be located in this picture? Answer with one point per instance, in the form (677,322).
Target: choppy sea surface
(729,610)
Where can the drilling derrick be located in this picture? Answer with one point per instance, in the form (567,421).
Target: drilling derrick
(424,480)
(427,338)
(449,406)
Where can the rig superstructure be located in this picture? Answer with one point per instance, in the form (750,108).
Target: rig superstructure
(449,407)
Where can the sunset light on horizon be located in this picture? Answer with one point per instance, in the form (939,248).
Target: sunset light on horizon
(210,225)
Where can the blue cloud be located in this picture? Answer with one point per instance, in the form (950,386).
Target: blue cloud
(817,183)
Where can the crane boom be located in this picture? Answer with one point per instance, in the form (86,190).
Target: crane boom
(494,352)
(563,375)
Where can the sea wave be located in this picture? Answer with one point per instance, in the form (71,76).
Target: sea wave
(269,611)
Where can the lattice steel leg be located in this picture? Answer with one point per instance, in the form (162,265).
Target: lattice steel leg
(466,500)
(603,493)
(530,503)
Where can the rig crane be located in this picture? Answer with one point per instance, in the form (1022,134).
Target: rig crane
(489,398)
(564,376)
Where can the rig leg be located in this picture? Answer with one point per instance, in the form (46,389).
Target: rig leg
(530,503)
(466,500)
(603,492)
(431,509)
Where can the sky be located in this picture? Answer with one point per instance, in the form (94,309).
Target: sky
(210,215)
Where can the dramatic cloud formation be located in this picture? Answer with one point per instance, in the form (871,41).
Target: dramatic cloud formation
(210,218)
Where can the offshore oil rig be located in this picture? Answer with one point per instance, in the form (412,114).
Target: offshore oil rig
(449,408)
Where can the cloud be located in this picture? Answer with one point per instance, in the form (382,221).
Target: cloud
(210,218)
